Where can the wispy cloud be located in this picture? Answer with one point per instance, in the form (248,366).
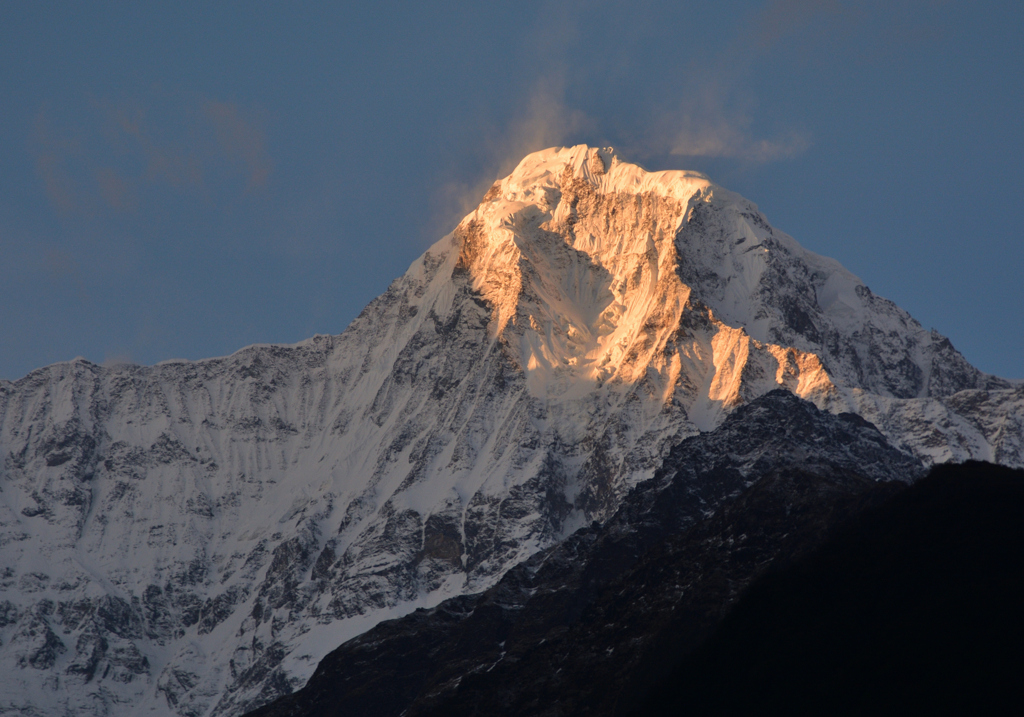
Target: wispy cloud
(51,151)
(240,140)
(709,131)
(116,190)
(715,109)
(545,121)
(117,358)
(103,156)
(65,272)
(716,117)
(176,164)
(783,19)
(877,27)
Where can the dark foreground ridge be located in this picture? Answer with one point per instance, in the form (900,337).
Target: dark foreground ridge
(596,623)
(914,609)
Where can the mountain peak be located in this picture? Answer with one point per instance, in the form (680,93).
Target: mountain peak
(590,265)
(605,170)
(174,532)
(582,257)
(574,251)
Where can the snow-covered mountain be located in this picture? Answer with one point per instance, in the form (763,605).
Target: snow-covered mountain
(191,538)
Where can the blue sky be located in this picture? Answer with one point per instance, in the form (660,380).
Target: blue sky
(179,181)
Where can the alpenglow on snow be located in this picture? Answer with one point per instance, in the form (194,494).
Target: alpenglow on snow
(191,538)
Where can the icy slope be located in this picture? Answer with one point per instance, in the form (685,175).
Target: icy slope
(192,538)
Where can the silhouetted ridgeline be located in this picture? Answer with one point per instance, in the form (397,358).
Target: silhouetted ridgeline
(914,609)
(872,599)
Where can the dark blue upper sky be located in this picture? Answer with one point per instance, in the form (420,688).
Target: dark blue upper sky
(184,180)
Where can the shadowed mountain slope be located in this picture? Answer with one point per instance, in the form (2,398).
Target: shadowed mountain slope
(584,628)
(914,608)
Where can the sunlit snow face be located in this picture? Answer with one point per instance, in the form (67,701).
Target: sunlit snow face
(576,253)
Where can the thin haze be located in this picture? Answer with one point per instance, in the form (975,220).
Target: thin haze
(182,181)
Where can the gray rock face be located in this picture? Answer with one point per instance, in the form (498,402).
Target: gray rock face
(191,538)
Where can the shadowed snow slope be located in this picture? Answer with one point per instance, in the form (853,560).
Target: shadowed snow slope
(191,538)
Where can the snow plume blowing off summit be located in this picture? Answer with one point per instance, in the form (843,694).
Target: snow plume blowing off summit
(191,538)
